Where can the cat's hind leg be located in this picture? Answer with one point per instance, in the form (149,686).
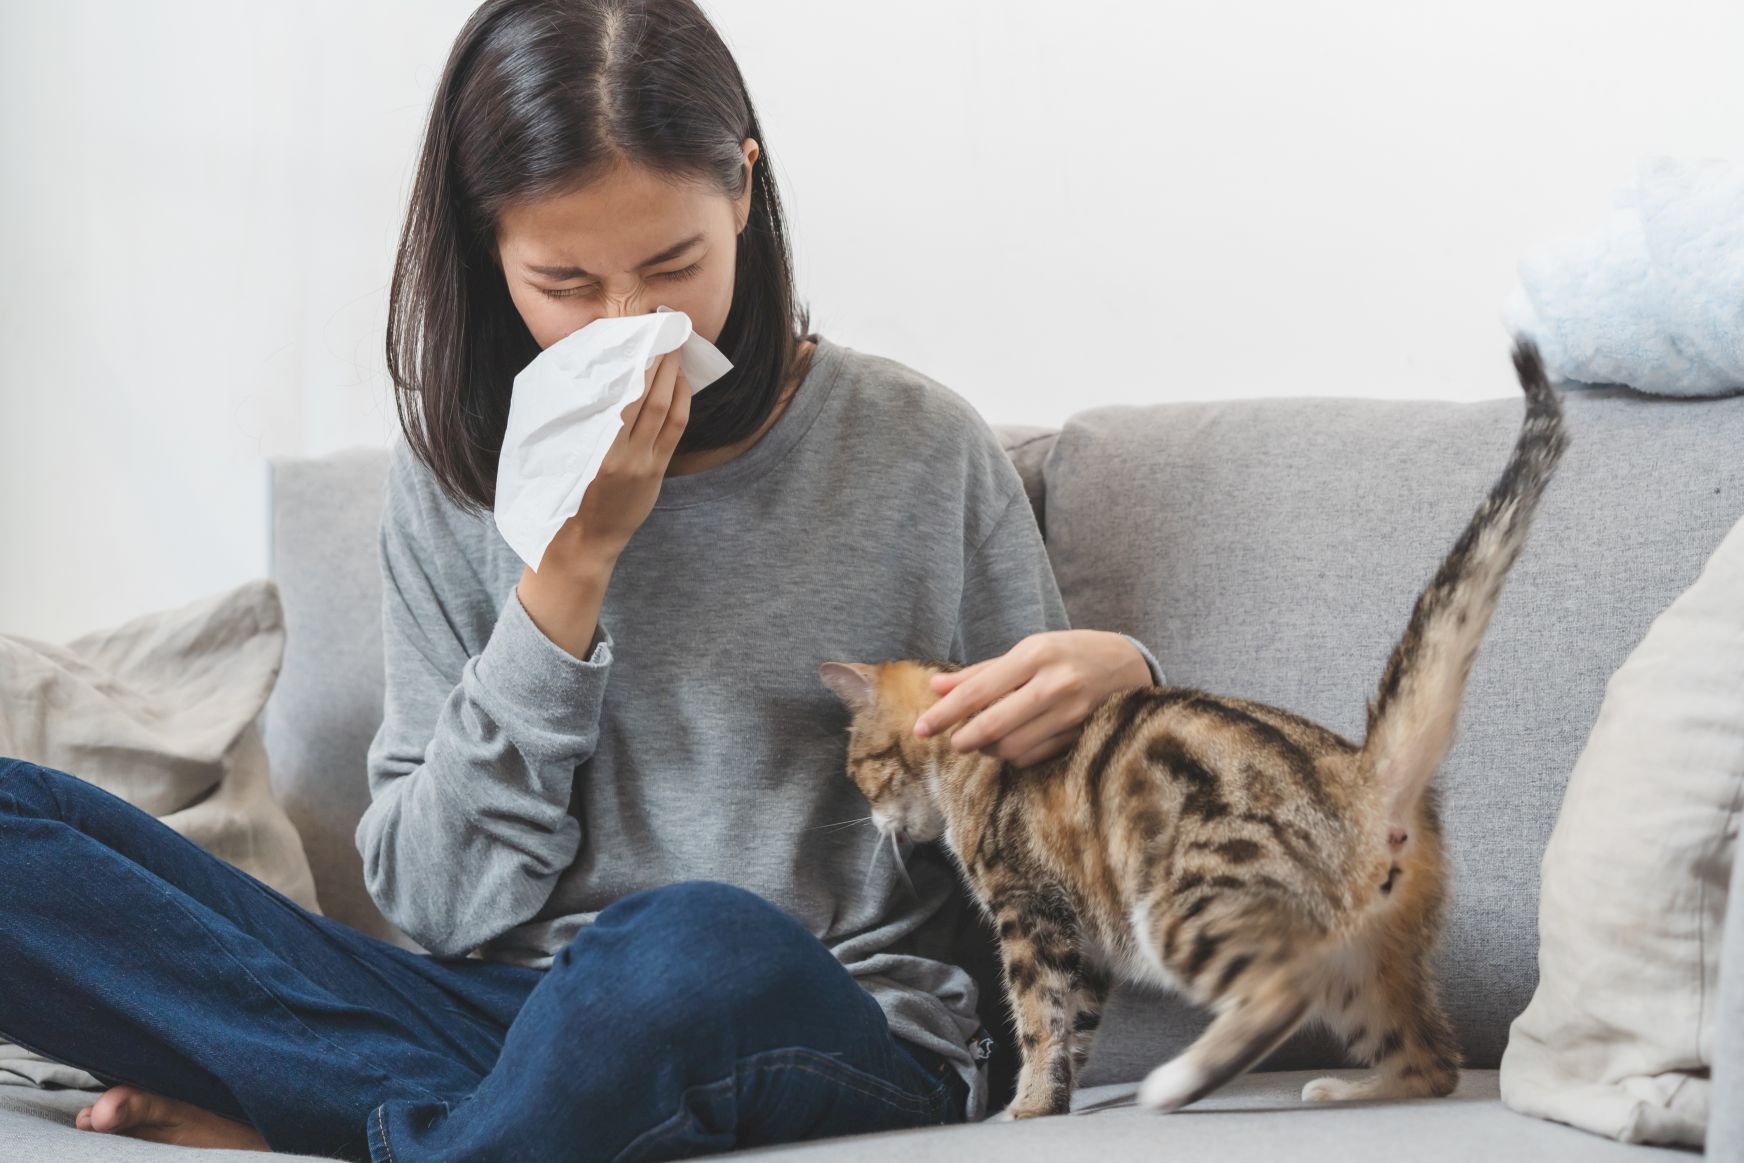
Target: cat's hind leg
(1390,1018)
(1253,1019)
(1240,951)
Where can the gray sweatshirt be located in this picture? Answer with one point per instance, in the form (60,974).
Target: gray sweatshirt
(517,789)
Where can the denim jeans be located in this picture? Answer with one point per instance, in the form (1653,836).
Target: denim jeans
(686,1020)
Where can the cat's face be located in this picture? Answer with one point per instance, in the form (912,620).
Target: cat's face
(896,772)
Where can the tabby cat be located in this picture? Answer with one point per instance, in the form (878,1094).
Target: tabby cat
(1248,858)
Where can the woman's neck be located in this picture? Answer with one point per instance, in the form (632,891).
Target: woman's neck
(685,463)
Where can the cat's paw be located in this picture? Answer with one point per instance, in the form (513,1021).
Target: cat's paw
(1328,1090)
(1170,1086)
(1004,1116)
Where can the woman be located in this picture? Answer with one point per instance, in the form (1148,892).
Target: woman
(615,778)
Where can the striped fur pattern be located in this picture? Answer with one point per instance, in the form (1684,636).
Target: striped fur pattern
(1256,862)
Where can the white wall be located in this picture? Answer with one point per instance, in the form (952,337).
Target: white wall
(1044,206)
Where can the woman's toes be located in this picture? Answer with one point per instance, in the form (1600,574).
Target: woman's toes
(140,1114)
(121,1107)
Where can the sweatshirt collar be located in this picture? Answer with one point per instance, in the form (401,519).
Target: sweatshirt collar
(677,492)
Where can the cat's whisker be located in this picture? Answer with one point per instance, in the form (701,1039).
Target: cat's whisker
(866,883)
(902,869)
(841,824)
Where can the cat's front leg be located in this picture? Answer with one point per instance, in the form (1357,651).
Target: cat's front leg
(1042,973)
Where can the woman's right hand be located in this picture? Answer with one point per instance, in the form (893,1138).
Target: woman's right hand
(565,595)
(623,492)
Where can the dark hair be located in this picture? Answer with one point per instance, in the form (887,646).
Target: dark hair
(540,97)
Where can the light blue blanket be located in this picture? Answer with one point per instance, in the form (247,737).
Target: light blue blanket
(1654,298)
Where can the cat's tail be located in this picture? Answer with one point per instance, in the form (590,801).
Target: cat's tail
(1411,722)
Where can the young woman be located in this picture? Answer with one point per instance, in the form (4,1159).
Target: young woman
(616,779)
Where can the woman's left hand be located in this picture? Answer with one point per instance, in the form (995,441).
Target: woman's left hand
(1053,679)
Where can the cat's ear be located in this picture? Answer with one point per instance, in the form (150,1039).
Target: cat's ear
(853,683)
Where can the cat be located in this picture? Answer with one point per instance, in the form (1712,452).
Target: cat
(1244,856)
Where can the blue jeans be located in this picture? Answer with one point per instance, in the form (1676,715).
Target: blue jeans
(686,1020)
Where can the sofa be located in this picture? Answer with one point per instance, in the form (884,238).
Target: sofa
(1270,548)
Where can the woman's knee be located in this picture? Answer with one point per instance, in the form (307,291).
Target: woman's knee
(705,913)
(27,789)
(716,944)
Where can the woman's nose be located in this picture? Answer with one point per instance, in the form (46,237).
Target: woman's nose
(626,305)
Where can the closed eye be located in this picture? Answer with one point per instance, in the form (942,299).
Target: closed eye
(689,272)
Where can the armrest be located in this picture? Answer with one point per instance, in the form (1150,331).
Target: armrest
(1726,1116)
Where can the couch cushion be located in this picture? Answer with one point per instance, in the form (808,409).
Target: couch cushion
(1273,549)
(1255,1117)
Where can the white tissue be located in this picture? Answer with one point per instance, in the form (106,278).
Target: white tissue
(564,415)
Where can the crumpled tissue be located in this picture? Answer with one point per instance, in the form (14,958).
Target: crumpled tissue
(564,415)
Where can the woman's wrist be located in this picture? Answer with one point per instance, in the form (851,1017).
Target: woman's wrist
(564,600)
(1140,667)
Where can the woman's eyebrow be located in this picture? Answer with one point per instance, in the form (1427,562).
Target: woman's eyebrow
(670,252)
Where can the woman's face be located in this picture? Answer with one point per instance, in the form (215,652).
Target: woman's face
(624,244)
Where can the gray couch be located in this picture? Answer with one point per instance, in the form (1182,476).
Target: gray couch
(1269,548)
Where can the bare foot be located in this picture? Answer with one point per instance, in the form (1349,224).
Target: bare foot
(140,1114)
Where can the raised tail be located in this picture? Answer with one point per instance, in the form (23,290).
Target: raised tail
(1411,721)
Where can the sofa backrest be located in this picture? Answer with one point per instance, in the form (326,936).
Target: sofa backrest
(327,703)
(1270,549)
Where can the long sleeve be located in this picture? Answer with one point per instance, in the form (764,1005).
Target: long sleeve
(1156,668)
(471,771)
(1009,591)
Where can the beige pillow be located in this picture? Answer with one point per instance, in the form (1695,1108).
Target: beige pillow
(164,712)
(1619,1037)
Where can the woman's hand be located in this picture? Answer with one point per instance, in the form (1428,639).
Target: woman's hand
(565,594)
(1040,691)
(623,492)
